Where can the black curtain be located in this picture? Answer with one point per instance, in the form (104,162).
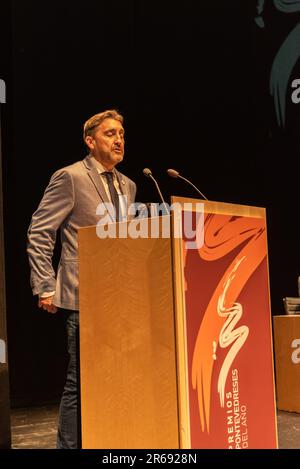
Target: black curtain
(192,80)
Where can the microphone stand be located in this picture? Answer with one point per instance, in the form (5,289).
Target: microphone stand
(196,189)
(147,172)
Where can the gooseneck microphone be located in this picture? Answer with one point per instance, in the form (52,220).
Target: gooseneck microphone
(148,173)
(175,174)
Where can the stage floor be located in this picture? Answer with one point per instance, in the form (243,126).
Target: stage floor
(35,428)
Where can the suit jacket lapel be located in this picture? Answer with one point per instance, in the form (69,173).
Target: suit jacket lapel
(122,184)
(96,178)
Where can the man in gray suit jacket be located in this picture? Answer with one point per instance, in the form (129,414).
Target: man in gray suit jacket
(70,201)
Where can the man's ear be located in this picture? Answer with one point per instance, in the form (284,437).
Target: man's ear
(89,142)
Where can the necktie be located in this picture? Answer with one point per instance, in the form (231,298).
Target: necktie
(113,193)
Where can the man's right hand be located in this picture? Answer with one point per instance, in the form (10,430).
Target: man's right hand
(46,303)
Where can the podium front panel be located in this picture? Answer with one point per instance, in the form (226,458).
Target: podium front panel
(127,343)
(287,361)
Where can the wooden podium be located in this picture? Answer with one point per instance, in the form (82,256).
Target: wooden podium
(127,343)
(287,361)
(175,333)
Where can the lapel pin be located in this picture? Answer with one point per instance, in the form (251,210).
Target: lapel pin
(123,182)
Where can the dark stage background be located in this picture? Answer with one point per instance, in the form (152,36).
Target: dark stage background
(192,80)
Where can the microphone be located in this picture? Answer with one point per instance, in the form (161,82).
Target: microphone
(175,174)
(148,173)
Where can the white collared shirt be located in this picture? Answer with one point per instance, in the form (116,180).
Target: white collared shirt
(101,169)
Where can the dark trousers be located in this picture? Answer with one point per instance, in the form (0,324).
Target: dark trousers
(68,436)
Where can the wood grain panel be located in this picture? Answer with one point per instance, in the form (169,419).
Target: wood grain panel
(287,330)
(127,343)
(224,208)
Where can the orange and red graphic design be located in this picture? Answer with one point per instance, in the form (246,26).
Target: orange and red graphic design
(231,388)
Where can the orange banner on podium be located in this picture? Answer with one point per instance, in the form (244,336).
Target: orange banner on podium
(229,379)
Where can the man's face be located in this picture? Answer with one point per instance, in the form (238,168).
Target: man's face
(107,143)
